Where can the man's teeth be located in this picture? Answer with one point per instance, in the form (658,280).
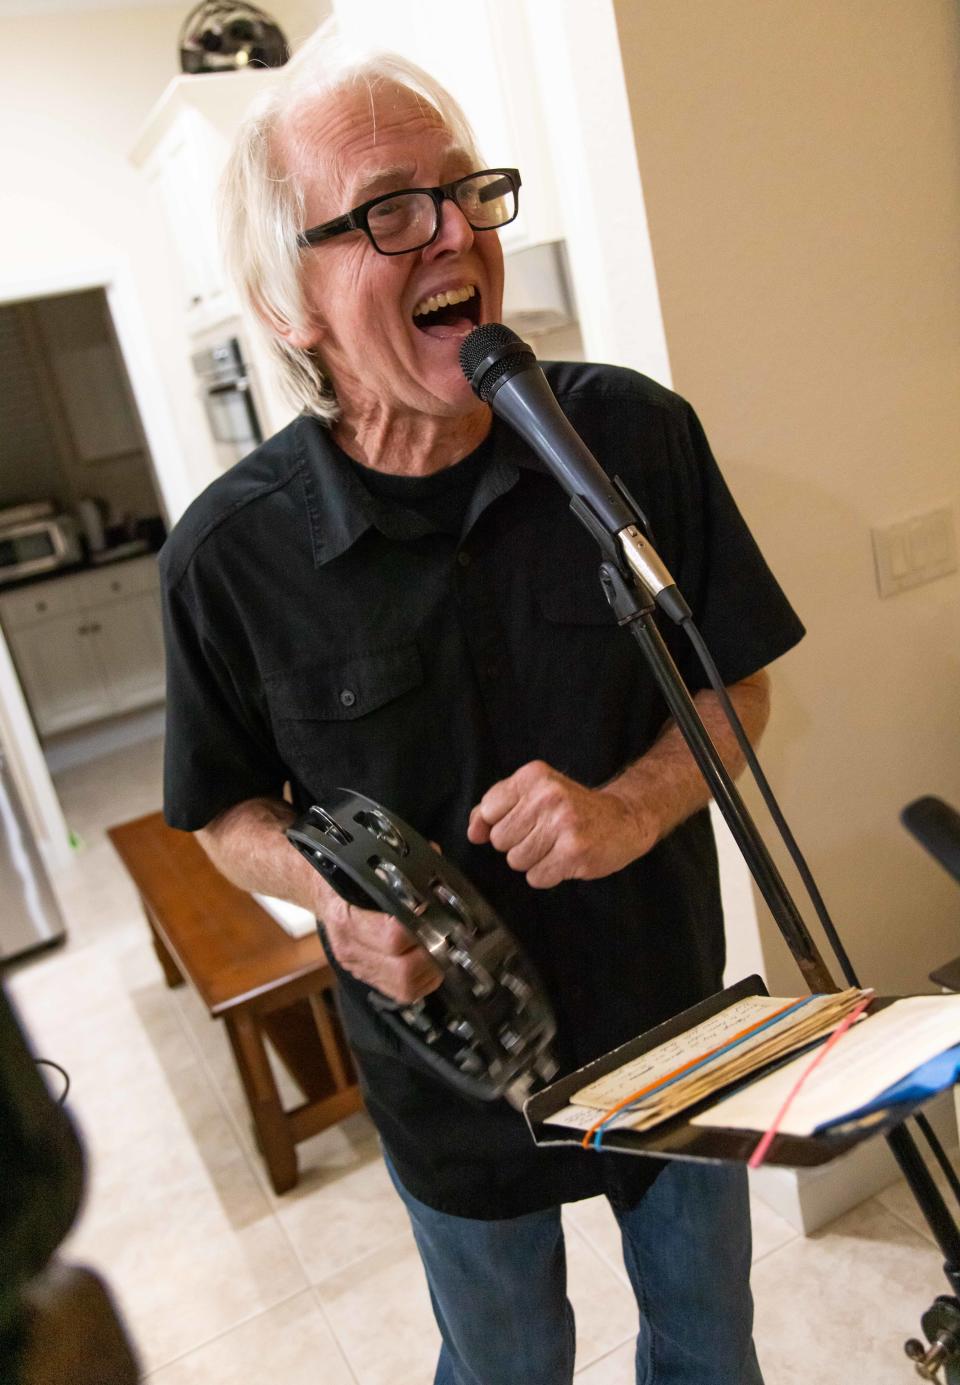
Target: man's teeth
(443,300)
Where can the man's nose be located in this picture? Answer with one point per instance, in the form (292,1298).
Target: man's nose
(455,233)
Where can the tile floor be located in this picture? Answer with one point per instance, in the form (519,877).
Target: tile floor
(220,1281)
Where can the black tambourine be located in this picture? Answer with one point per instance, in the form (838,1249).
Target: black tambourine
(488,1028)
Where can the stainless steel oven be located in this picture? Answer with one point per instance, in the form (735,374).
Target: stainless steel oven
(34,539)
(228,400)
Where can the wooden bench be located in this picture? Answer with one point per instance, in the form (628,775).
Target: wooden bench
(250,973)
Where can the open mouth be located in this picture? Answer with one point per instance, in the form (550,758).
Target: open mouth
(451,314)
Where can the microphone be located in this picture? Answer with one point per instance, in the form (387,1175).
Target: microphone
(503,371)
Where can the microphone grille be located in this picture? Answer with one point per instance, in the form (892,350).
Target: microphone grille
(490,352)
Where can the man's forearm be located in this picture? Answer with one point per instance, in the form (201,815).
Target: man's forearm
(247,845)
(553,828)
(668,777)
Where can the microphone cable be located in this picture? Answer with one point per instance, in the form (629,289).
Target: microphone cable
(763,784)
(49,1063)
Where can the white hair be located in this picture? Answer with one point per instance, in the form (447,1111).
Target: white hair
(262,202)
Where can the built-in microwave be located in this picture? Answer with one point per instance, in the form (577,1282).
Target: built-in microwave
(225,391)
(35,539)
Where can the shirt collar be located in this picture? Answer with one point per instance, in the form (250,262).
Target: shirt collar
(341,509)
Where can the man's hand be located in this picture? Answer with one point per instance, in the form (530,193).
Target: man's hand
(378,950)
(247,843)
(554,829)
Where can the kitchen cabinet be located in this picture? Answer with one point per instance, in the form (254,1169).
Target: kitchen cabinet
(484,54)
(89,645)
(182,172)
(60,673)
(181,150)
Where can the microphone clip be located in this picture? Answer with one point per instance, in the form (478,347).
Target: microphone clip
(606,539)
(642,577)
(627,594)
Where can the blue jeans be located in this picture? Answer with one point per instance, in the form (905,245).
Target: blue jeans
(499,1288)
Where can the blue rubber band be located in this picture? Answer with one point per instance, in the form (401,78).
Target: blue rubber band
(718,1053)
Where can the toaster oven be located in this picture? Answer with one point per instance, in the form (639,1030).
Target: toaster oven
(34,540)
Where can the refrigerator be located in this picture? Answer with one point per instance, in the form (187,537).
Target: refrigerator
(30,917)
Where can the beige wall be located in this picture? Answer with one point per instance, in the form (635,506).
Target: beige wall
(802,181)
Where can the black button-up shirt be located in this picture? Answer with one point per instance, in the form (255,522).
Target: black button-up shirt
(419,640)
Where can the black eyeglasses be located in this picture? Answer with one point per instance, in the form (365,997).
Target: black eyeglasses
(399,222)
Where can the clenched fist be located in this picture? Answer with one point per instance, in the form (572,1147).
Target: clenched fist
(554,829)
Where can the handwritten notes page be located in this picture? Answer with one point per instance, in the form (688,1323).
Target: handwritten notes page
(874,1055)
(743,1038)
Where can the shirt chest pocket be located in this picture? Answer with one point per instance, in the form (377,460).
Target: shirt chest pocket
(345,723)
(575,603)
(587,679)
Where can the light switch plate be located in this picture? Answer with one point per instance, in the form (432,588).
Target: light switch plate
(914,551)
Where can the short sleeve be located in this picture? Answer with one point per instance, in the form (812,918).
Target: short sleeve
(737,603)
(217,750)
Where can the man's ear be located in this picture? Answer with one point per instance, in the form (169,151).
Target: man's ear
(302,336)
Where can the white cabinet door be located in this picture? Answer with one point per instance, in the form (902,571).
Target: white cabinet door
(483,54)
(88,646)
(181,148)
(183,170)
(60,672)
(128,642)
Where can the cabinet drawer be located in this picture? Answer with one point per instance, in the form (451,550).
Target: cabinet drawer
(120,579)
(60,595)
(41,602)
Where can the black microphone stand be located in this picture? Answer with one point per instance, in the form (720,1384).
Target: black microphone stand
(634,608)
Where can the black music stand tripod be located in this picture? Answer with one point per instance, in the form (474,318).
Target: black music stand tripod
(634,608)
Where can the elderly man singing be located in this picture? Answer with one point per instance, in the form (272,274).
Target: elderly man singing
(391,595)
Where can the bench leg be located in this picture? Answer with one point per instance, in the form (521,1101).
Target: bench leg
(171,972)
(269,1118)
(328,1042)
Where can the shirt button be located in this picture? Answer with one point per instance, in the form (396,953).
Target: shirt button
(463,558)
(348,697)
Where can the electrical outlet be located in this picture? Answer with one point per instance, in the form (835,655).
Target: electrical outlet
(914,551)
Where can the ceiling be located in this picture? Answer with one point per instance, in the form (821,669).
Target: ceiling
(20,8)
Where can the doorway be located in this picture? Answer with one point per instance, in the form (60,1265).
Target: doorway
(69,426)
(87,420)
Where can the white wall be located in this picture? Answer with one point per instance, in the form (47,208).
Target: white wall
(76,88)
(802,183)
(576,70)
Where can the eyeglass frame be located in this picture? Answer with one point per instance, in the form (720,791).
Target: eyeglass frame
(356,220)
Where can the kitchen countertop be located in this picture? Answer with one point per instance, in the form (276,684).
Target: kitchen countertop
(120,553)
